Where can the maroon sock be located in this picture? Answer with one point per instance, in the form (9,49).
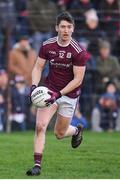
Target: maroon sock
(37,159)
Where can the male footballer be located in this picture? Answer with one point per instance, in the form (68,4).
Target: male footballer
(66,72)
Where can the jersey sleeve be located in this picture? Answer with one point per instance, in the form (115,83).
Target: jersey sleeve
(42,52)
(81,58)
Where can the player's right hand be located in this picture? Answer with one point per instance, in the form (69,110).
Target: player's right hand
(53,98)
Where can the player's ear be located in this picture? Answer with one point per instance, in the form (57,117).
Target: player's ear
(73,29)
(56,28)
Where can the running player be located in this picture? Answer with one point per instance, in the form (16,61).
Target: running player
(66,72)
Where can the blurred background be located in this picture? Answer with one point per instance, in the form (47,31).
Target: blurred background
(25,24)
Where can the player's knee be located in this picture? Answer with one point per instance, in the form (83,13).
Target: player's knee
(40,128)
(59,134)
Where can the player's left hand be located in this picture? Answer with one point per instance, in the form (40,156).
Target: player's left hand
(54,97)
(30,92)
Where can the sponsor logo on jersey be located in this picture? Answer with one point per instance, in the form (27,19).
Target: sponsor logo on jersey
(52,52)
(60,65)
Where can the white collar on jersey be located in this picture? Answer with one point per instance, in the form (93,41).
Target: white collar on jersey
(63,45)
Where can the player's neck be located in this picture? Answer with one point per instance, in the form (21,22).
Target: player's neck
(63,43)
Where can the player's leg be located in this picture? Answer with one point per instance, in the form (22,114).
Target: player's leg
(43,118)
(62,127)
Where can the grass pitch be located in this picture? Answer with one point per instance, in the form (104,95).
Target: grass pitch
(97,157)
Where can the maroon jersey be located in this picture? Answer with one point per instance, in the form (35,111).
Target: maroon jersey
(61,61)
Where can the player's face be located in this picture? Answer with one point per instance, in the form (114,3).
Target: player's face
(65,30)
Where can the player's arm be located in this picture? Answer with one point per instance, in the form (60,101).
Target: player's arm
(78,72)
(37,70)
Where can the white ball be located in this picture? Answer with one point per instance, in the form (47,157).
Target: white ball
(39,95)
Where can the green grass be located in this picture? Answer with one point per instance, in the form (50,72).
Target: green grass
(97,157)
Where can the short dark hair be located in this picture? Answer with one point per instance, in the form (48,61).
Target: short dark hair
(65,16)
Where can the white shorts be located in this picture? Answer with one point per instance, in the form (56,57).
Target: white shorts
(66,106)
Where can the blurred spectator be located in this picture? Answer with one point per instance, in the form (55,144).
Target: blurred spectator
(96,4)
(3,79)
(19,103)
(7,24)
(78,118)
(109,15)
(116,49)
(7,13)
(78,8)
(42,17)
(22,25)
(1,48)
(62,4)
(21,7)
(3,98)
(107,65)
(89,83)
(105,113)
(21,60)
(91,32)
(2,111)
